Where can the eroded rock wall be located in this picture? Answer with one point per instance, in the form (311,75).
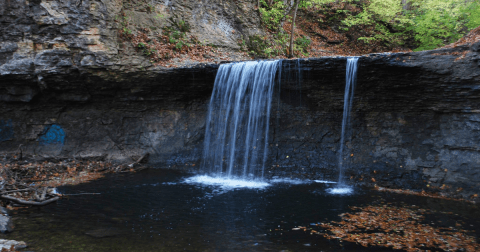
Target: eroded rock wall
(415,121)
(84,117)
(39,38)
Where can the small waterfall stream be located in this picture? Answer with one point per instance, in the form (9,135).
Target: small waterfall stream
(237,125)
(350,81)
(236,134)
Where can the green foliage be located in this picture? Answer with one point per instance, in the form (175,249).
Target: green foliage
(303,43)
(124,24)
(273,14)
(385,16)
(150,51)
(183,26)
(150,8)
(434,29)
(243,45)
(282,38)
(268,47)
(258,45)
(180,44)
(127,30)
(472,12)
(177,34)
(441,22)
(262,47)
(276,11)
(180,24)
(426,24)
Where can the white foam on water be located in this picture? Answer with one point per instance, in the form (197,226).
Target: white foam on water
(290,181)
(341,190)
(325,182)
(226,183)
(55,191)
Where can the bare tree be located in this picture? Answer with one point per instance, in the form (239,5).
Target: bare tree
(290,52)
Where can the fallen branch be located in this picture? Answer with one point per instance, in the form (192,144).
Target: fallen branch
(139,160)
(42,197)
(27,202)
(19,190)
(326,39)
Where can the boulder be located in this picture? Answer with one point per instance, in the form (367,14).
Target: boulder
(6,224)
(7,244)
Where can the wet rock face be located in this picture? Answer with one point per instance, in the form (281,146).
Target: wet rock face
(83,117)
(415,121)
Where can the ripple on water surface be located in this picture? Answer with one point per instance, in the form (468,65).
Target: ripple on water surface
(165,210)
(340,190)
(226,183)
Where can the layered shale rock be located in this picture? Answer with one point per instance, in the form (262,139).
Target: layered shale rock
(415,120)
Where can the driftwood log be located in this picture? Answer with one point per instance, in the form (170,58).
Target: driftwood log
(40,195)
(28,202)
(21,181)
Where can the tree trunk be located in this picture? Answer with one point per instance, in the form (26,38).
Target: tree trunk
(288,10)
(259,12)
(406,4)
(290,52)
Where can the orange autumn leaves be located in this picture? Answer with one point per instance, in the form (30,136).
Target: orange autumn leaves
(397,228)
(161,52)
(431,194)
(54,174)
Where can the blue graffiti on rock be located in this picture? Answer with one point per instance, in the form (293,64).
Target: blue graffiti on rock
(52,134)
(6,130)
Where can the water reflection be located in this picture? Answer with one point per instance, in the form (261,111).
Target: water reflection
(157,211)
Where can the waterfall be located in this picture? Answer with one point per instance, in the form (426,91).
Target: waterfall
(236,131)
(350,81)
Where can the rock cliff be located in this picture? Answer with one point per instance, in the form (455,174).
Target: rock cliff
(42,37)
(415,120)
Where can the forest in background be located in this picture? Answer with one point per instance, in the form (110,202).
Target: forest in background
(307,28)
(352,27)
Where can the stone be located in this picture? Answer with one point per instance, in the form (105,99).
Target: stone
(6,224)
(7,244)
(58,37)
(475,47)
(3,211)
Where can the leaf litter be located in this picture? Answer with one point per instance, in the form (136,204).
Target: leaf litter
(401,228)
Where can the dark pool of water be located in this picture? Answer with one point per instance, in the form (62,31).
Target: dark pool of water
(154,211)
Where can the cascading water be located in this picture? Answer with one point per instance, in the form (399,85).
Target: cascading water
(351,79)
(236,135)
